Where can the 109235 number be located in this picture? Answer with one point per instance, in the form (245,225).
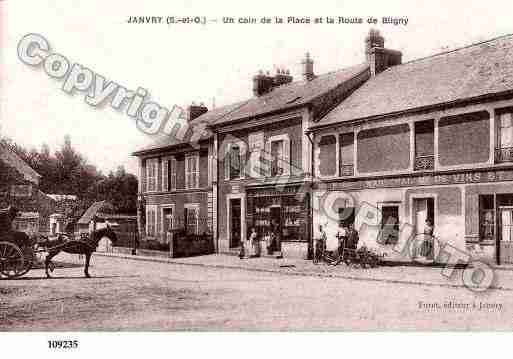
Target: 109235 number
(63,344)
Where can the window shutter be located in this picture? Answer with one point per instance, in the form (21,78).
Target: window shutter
(196,174)
(173,174)
(196,211)
(242,162)
(144,177)
(147,220)
(286,157)
(159,220)
(187,172)
(226,160)
(165,171)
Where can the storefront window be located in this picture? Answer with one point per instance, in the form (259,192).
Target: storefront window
(283,215)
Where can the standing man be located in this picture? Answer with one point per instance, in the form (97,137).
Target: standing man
(320,244)
(352,237)
(342,236)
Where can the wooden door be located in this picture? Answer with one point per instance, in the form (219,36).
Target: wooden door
(235,223)
(421,214)
(506,234)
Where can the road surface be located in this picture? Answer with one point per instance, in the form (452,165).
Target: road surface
(138,295)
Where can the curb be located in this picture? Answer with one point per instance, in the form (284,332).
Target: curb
(301,273)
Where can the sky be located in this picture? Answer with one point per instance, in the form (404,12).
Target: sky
(182,63)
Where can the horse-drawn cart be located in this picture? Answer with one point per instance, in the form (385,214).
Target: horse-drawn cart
(18,251)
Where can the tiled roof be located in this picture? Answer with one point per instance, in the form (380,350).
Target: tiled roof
(280,98)
(481,69)
(291,95)
(208,118)
(12,159)
(93,210)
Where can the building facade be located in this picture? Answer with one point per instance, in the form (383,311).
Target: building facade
(426,140)
(430,139)
(176,187)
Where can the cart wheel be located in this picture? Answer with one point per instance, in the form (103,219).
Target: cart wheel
(12,262)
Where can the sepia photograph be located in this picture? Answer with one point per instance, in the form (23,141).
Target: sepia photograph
(180,166)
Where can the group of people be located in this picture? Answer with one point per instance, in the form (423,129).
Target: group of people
(252,246)
(347,237)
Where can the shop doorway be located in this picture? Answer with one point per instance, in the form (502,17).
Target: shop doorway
(424,208)
(235,222)
(276,225)
(167,217)
(505,245)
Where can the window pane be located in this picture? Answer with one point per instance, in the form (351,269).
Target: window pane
(235,162)
(507,137)
(347,148)
(424,138)
(277,158)
(506,120)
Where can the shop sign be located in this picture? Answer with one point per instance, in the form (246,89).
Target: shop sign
(425,180)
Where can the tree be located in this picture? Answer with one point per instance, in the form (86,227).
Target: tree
(68,172)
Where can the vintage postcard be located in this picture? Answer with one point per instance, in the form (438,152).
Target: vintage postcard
(259,166)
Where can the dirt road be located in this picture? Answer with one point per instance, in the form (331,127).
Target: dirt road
(136,295)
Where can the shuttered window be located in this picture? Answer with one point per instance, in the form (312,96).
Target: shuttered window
(165,175)
(151,220)
(151,175)
(278,147)
(192,171)
(169,174)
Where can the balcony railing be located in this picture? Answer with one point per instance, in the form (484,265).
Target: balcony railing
(346,170)
(276,170)
(504,154)
(423,163)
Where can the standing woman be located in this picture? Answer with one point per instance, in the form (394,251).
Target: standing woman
(428,239)
(254,242)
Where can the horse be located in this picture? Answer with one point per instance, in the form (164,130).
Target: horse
(80,246)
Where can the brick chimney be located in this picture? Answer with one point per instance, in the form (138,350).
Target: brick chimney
(308,71)
(262,83)
(195,111)
(282,77)
(377,56)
